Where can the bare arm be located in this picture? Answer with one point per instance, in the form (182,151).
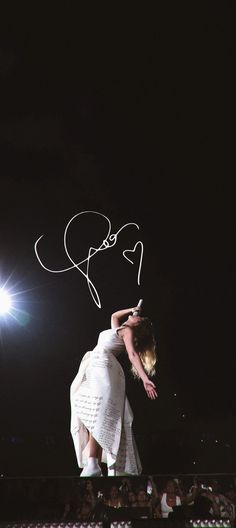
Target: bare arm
(190,497)
(117,317)
(134,358)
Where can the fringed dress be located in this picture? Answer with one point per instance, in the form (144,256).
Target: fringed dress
(100,406)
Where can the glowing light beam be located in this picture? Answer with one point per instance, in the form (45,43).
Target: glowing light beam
(10,299)
(5,302)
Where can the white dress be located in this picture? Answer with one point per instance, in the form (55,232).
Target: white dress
(99,405)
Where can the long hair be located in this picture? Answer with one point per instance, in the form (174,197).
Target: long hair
(145,344)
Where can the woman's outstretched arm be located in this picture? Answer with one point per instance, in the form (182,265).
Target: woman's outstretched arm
(134,358)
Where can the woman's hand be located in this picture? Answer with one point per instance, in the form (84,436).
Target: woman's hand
(150,389)
(136,309)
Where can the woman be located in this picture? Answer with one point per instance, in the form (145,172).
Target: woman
(114,499)
(131,500)
(169,499)
(101,417)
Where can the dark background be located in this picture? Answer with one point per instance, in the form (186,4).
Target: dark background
(129,114)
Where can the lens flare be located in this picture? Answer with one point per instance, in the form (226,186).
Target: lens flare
(5,302)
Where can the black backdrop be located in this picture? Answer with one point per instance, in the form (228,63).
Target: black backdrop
(128,114)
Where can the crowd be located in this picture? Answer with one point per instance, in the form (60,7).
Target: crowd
(98,499)
(174,498)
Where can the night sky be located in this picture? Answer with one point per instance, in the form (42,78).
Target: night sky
(129,115)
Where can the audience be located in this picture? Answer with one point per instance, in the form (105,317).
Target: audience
(76,499)
(225,507)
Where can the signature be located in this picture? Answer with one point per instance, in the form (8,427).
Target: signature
(107,243)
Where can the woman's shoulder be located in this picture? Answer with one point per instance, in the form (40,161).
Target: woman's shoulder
(123,330)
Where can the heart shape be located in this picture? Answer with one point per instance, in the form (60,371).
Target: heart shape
(141,257)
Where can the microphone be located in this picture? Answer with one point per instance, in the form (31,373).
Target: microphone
(137,312)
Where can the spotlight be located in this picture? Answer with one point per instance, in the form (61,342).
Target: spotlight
(5,301)
(10,300)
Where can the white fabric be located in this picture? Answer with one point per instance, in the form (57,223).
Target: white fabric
(165,509)
(99,406)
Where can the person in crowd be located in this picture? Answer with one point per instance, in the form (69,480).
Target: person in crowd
(173,497)
(203,501)
(144,500)
(90,493)
(187,497)
(125,487)
(219,499)
(154,498)
(84,512)
(73,497)
(131,500)
(204,507)
(169,499)
(114,498)
(230,494)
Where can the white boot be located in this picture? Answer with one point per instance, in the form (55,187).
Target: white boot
(92,469)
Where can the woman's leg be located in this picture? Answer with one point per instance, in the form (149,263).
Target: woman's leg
(95,449)
(93,468)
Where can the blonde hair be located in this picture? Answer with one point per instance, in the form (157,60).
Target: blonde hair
(145,345)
